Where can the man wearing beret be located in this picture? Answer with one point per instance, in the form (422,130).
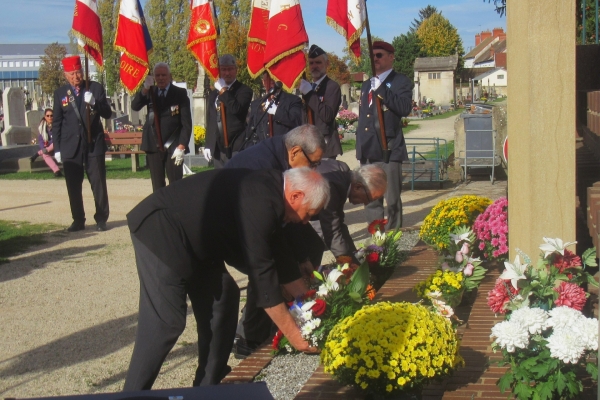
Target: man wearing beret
(236,98)
(395,92)
(323,98)
(276,113)
(71,145)
(172,105)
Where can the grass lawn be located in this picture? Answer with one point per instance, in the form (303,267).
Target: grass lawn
(447,148)
(410,127)
(118,168)
(445,115)
(16,237)
(348,145)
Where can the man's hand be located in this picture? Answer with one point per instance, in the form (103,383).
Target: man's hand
(220,84)
(375,82)
(149,81)
(57,157)
(178,156)
(305,86)
(306,269)
(206,153)
(284,321)
(88,97)
(272,109)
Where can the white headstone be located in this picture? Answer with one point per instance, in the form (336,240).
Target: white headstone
(199,101)
(33,118)
(14,106)
(353,107)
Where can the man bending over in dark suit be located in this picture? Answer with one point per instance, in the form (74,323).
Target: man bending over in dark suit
(71,146)
(172,124)
(234,216)
(361,186)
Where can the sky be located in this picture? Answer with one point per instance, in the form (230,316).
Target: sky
(48,21)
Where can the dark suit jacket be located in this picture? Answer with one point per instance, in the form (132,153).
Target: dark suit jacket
(325,102)
(396,92)
(237,101)
(174,114)
(287,117)
(270,153)
(229,215)
(69,135)
(329,223)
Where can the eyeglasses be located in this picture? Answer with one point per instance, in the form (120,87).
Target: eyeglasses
(369,198)
(378,55)
(312,164)
(49,116)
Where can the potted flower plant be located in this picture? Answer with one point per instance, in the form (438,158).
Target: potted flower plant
(491,229)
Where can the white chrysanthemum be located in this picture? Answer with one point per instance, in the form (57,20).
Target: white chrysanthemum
(566,345)
(307,315)
(588,330)
(315,323)
(510,335)
(563,317)
(534,319)
(306,329)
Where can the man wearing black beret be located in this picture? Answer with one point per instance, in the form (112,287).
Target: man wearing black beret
(395,93)
(323,98)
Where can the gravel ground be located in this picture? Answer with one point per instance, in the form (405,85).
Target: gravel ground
(286,374)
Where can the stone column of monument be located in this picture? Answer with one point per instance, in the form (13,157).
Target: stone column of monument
(541,122)
(16,130)
(199,102)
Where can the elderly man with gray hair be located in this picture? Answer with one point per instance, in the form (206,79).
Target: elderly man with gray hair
(231,100)
(361,186)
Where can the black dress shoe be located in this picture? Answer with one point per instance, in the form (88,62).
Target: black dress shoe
(242,348)
(58,174)
(76,226)
(34,157)
(101,226)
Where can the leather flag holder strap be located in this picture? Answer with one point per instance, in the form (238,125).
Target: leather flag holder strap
(78,114)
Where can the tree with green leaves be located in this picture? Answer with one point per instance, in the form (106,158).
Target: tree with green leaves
(108,11)
(424,13)
(439,38)
(365,59)
(408,48)
(51,76)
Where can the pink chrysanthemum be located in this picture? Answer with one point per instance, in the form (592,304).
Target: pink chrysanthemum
(491,230)
(501,294)
(569,260)
(570,295)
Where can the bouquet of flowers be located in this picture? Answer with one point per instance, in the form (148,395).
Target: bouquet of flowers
(388,349)
(449,214)
(446,286)
(491,229)
(345,118)
(199,134)
(341,291)
(381,249)
(545,338)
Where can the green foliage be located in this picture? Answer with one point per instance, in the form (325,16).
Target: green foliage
(16,237)
(439,38)
(365,59)
(408,48)
(348,145)
(424,13)
(500,6)
(108,10)
(51,75)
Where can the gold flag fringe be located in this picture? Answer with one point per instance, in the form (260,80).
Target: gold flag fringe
(90,43)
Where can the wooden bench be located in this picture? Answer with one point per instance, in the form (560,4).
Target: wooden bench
(126,139)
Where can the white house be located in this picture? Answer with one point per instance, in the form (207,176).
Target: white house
(493,82)
(435,79)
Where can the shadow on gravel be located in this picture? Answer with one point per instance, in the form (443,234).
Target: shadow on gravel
(23,266)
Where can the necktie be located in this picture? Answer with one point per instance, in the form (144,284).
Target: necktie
(314,86)
(76,90)
(370,97)
(162,93)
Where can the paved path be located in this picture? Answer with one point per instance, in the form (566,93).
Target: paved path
(69,306)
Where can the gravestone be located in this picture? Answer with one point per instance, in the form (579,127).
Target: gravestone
(33,118)
(199,100)
(16,131)
(353,107)
(345,88)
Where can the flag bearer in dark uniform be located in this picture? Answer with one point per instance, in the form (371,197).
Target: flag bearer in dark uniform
(395,91)
(236,98)
(323,98)
(276,107)
(173,125)
(71,145)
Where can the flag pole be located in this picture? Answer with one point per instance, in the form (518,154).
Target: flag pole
(87,106)
(384,145)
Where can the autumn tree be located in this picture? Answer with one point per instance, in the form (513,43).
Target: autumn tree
(51,76)
(365,59)
(338,70)
(424,13)
(439,38)
(108,11)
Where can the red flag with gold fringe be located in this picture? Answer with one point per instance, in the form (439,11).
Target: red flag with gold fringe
(202,37)
(348,18)
(133,40)
(284,57)
(88,29)
(257,36)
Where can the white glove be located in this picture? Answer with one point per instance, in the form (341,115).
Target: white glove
(220,84)
(88,97)
(57,157)
(149,81)
(206,153)
(178,156)
(375,82)
(305,86)
(272,109)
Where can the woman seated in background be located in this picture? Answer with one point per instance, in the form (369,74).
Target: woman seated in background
(45,143)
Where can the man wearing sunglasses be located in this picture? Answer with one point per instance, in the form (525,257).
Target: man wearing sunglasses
(395,93)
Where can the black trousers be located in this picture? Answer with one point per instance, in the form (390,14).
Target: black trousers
(95,169)
(159,162)
(162,316)
(255,324)
(374,210)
